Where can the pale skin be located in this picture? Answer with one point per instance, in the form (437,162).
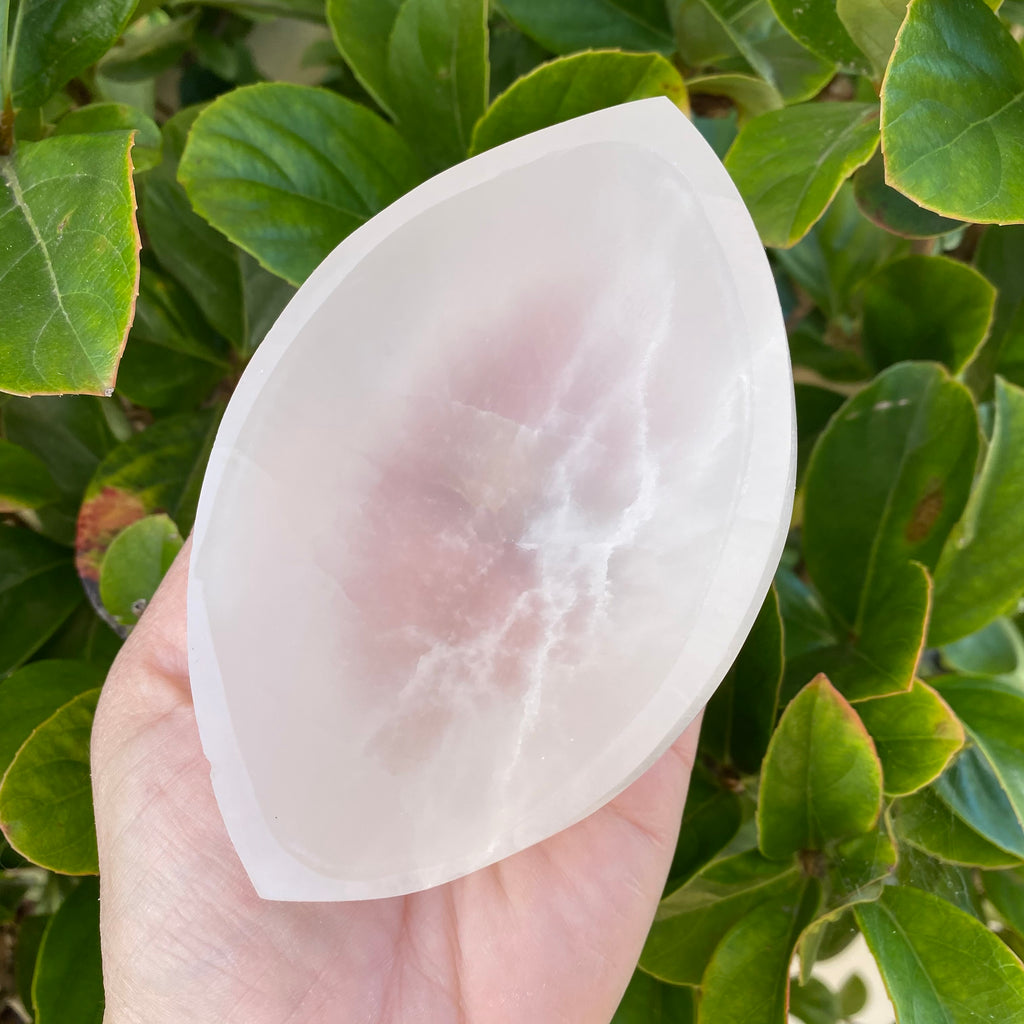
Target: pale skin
(547,936)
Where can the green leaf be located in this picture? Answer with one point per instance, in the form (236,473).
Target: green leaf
(32,694)
(68,983)
(423,61)
(742,37)
(865,518)
(437,75)
(995,650)
(892,210)
(915,734)
(67,227)
(1005,889)
(985,785)
(951,882)
(46,794)
(821,778)
(563,26)
(98,118)
(286,171)
(173,360)
(84,636)
(832,359)
(153,44)
(788,164)
(817,25)
(880,657)
(54,40)
(748,976)
(69,435)
(856,867)
(980,574)
(158,470)
(953,112)
(999,256)
(304,10)
(571,86)
(926,307)
(853,996)
(692,920)
(813,1003)
(712,817)
(806,626)
(134,565)
(199,257)
(650,1001)
(740,718)
(751,95)
(838,254)
(25,482)
(938,963)
(30,937)
(815,406)
(38,591)
(872,25)
(511,54)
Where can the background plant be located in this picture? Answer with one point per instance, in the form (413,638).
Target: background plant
(862,768)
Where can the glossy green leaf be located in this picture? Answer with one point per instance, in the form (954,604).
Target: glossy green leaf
(815,406)
(38,591)
(46,794)
(68,983)
(25,482)
(650,1001)
(865,518)
(152,45)
(938,963)
(842,250)
(806,626)
(872,25)
(67,228)
(817,25)
(892,210)
(199,257)
(692,920)
(743,37)
(999,256)
(995,650)
(915,734)
(54,40)
(953,112)
(751,95)
(1006,891)
(134,565)
(926,307)
(173,359)
(857,867)
(821,779)
(980,574)
(985,786)
(30,938)
(748,976)
(824,939)
(32,694)
(951,882)
(158,470)
(880,657)
(286,171)
(97,118)
(564,26)
(424,61)
(69,435)
(571,86)
(788,164)
(740,718)
(712,817)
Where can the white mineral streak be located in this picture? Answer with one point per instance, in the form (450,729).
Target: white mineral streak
(491,510)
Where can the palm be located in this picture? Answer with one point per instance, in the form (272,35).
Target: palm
(550,934)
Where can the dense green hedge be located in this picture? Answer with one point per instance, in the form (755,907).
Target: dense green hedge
(862,769)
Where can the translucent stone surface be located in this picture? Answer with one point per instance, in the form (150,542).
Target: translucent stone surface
(491,510)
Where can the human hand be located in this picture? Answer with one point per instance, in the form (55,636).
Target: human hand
(547,936)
